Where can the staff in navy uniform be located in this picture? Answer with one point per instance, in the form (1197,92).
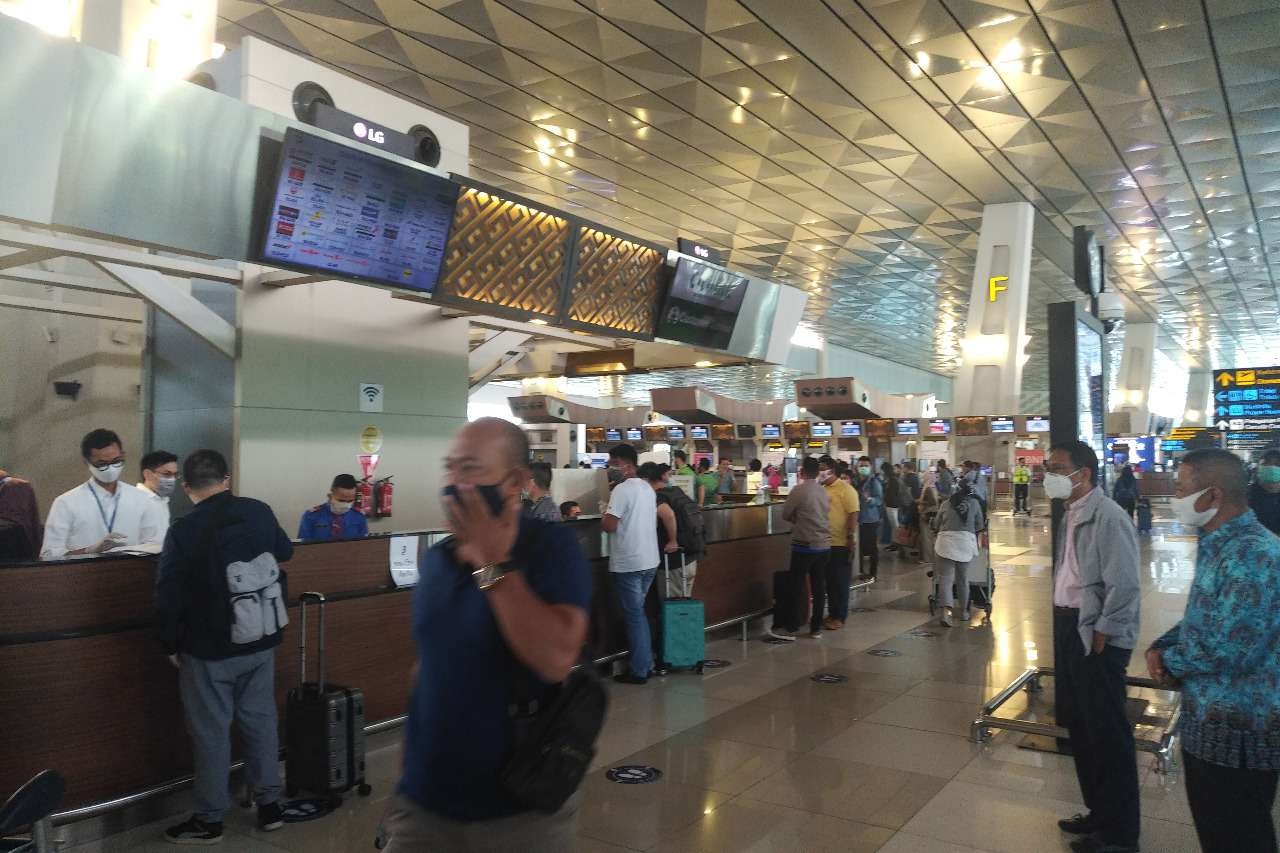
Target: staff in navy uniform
(337,517)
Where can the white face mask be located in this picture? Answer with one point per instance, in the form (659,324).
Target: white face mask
(108,475)
(165,486)
(1058,486)
(825,477)
(340,507)
(1185,510)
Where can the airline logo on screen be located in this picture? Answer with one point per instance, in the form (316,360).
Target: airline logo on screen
(369,134)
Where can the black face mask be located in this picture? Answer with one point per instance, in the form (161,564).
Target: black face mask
(492,495)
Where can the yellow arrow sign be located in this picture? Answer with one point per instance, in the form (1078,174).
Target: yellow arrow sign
(993,286)
(1245,377)
(1224,379)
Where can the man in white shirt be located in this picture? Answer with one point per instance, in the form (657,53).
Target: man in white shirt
(631,519)
(159,480)
(102,513)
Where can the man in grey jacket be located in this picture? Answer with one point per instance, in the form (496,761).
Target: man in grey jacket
(1095,608)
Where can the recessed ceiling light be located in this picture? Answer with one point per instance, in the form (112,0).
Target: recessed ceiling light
(704,363)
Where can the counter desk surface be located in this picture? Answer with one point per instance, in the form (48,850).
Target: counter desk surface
(89,692)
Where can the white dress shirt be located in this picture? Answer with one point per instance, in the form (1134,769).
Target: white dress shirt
(84,516)
(161,505)
(1066,586)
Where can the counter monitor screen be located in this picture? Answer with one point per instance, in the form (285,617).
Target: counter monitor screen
(880,428)
(770,430)
(796,430)
(1037,423)
(699,432)
(1002,425)
(722,432)
(635,434)
(850,429)
(613,435)
(675,433)
(702,305)
(940,426)
(973,426)
(907,427)
(745,430)
(820,429)
(342,210)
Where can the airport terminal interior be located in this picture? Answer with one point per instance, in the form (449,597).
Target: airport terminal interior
(335,256)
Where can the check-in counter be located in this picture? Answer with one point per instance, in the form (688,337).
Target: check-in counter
(88,692)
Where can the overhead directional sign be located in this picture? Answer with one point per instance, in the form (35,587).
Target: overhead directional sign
(1247,398)
(1253,441)
(1181,439)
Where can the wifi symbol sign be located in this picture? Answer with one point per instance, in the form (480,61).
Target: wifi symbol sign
(370,397)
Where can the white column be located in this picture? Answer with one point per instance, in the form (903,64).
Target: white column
(1199,410)
(1133,385)
(993,349)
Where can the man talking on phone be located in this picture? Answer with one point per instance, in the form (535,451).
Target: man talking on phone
(500,608)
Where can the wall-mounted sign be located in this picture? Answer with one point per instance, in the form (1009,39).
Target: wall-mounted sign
(1247,398)
(700,251)
(771,430)
(370,439)
(370,397)
(404,560)
(362,130)
(995,287)
(1184,439)
(850,429)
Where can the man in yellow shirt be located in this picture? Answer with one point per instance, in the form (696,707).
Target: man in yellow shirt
(843,520)
(1021,487)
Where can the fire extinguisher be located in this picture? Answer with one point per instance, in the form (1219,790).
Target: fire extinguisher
(383,491)
(364,497)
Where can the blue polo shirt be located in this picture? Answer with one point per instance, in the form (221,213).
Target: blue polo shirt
(457,738)
(317,524)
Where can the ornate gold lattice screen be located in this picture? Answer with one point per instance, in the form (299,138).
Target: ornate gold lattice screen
(616,284)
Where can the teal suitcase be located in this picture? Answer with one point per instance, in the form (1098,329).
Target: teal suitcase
(684,638)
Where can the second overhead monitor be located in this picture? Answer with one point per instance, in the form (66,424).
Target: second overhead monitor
(702,305)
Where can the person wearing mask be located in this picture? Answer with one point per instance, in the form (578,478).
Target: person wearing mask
(501,603)
(680,463)
(219,678)
(773,476)
(1096,613)
(871,499)
(946,479)
(1021,487)
(708,483)
(159,480)
(1225,654)
(973,473)
(21,533)
(894,498)
(927,509)
(725,484)
(958,521)
(337,518)
(842,518)
(102,513)
(539,488)
(668,541)
(808,510)
(630,520)
(569,510)
(1264,494)
(1125,491)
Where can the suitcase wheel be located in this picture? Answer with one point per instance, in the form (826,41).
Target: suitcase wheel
(698,668)
(364,789)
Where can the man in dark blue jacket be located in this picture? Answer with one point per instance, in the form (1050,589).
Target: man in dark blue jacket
(336,518)
(220,679)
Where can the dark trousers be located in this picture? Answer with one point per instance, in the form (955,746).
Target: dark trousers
(1020,492)
(1231,806)
(867,534)
(1130,505)
(839,575)
(813,568)
(1090,692)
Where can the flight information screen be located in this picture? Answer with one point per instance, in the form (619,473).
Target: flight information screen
(340,210)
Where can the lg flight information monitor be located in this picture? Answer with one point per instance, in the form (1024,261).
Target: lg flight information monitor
(337,209)
(702,305)
(850,429)
(821,429)
(613,435)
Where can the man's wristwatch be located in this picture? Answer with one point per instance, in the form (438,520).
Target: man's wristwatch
(488,575)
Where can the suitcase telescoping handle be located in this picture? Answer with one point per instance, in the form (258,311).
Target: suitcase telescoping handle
(684,577)
(317,597)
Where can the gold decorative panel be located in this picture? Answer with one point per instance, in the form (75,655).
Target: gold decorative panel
(504,254)
(616,284)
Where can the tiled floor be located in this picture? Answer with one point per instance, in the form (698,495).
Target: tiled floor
(757,757)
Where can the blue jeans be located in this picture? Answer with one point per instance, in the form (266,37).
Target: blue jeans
(632,588)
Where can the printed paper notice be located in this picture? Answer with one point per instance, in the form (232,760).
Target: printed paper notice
(404,560)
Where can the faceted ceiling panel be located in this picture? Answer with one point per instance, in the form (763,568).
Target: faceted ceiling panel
(847,148)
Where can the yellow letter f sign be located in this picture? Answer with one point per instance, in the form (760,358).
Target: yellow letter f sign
(994,287)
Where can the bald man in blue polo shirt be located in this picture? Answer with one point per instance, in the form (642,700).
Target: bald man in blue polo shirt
(337,518)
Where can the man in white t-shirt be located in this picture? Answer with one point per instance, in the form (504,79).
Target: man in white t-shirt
(102,513)
(631,519)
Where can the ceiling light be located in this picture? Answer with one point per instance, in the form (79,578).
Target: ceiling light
(704,363)
(538,321)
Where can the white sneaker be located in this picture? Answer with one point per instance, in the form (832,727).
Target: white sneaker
(782,634)
(945,621)
(964,617)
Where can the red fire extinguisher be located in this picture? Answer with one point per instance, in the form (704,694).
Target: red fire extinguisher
(364,497)
(383,491)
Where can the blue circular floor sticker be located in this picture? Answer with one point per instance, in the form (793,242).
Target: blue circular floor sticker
(301,811)
(828,678)
(922,634)
(883,653)
(715,663)
(633,774)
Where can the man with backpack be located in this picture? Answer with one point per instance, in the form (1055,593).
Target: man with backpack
(690,535)
(220,601)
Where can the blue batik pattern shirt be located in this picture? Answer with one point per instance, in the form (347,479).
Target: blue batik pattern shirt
(1226,649)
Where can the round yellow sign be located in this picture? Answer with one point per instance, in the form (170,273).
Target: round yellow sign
(371,439)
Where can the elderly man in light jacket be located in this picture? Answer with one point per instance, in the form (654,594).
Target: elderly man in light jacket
(1095,607)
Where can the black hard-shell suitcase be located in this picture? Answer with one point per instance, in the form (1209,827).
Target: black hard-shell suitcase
(324,726)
